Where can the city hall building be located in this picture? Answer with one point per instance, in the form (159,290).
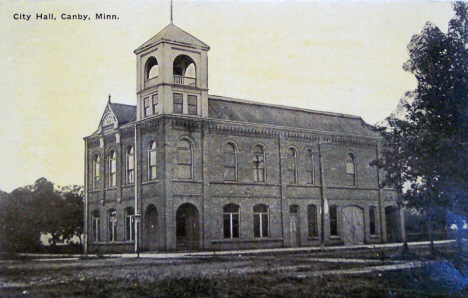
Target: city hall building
(185,170)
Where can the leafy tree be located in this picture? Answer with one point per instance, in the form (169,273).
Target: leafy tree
(30,211)
(425,150)
(20,230)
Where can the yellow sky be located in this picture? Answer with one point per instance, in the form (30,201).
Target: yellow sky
(55,76)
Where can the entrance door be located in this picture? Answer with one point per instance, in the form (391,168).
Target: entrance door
(151,228)
(353,225)
(294,226)
(187,227)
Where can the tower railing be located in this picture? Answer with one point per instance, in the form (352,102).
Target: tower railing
(186,81)
(151,82)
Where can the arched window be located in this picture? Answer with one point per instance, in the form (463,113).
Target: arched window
(310,166)
(350,169)
(130,161)
(129,224)
(260,213)
(185,160)
(152,68)
(312,220)
(372,226)
(230,162)
(231,221)
(96,226)
(112,169)
(259,164)
(292,166)
(112,224)
(334,220)
(152,160)
(96,171)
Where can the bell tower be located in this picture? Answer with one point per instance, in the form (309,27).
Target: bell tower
(172,75)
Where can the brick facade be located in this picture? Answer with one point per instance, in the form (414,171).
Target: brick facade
(206,197)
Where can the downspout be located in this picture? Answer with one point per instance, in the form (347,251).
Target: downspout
(136,165)
(324,207)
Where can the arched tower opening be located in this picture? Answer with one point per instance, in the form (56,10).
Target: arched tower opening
(184,70)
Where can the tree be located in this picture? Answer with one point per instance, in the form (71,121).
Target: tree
(425,151)
(30,211)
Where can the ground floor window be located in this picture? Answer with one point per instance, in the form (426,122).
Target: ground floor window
(372,228)
(96,225)
(260,213)
(312,220)
(231,221)
(112,225)
(333,220)
(129,224)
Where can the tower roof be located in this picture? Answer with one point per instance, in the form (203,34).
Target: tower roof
(173,34)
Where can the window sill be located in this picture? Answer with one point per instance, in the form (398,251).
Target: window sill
(150,182)
(112,242)
(94,191)
(374,236)
(128,185)
(335,238)
(111,188)
(187,180)
(313,238)
(239,240)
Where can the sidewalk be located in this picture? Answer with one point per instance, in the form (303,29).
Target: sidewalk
(181,255)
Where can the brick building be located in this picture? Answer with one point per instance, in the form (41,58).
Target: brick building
(186,170)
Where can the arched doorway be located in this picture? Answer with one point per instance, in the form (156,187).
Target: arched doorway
(151,234)
(187,227)
(392,220)
(353,225)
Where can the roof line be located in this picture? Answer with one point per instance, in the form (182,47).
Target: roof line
(283,107)
(122,104)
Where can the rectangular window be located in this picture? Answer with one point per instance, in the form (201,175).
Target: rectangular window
(312,220)
(155,103)
(113,173)
(152,164)
(231,225)
(333,220)
(192,105)
(372,220)
(229,166)
(147,107)
(96,228)
(260,225)
(130,228)
(130,169)
(178,103)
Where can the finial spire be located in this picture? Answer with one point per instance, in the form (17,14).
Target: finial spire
(171,12)
(109,99)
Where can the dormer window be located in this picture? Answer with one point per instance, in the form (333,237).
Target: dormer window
(184,71)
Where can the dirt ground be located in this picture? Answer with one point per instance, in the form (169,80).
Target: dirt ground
(343,273)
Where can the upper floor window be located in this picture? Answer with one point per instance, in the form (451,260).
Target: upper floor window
(147,106)
(310,167)
(112,225)
(192,104)
(334,220)
(351,170)
(230,162)
(372,226)
(96,171)
(260,213)
(292,166)
(178,103)
(112,169)
(231,221)
(312,220)
(96,226)
(130,162)
(259,164)
(152,160)
(155,101)
(129,224)
(184,159)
